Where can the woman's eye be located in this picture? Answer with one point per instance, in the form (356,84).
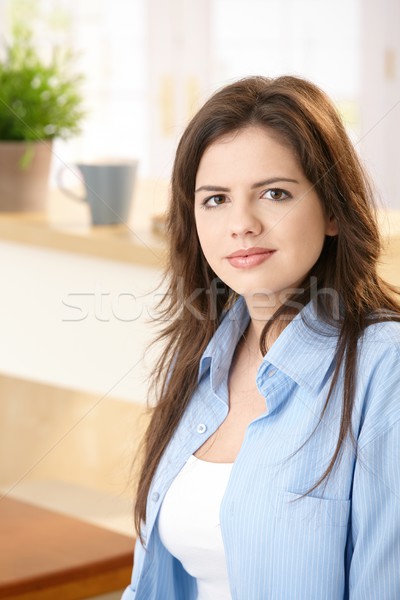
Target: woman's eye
(214,201)
(276,194)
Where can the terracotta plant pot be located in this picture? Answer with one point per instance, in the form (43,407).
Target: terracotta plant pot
(24,188)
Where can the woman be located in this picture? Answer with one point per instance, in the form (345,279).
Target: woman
(271,466)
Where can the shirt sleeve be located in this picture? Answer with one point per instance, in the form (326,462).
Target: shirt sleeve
(375,563)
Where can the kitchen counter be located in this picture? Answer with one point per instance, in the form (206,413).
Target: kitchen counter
(66,226)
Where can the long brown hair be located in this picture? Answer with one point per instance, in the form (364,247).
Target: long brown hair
(301,116)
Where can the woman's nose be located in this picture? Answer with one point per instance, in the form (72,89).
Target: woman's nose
(244,221)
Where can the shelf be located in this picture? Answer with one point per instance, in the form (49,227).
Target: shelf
(66,226)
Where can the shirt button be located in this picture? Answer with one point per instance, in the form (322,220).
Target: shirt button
(155,496)
(201,428)
(272,373)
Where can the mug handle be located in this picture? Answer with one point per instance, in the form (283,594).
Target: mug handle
(63,188)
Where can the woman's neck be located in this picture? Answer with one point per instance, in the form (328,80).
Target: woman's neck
(259,317)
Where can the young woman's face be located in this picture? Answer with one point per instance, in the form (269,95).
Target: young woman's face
(260,223)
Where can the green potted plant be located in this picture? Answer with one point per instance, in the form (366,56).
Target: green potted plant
(39,100)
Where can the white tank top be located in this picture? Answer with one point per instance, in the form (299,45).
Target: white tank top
(189,525)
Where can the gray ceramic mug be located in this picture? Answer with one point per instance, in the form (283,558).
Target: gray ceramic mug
(109,189)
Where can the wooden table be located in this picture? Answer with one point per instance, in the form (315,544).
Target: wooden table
(45,555)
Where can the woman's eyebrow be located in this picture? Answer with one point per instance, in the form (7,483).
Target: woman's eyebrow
(273,180)
(218,188)
(211,188)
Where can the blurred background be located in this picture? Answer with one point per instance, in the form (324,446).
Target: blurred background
(148,64)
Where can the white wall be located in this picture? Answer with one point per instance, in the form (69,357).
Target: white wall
(76,322)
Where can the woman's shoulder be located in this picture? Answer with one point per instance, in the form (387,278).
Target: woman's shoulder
(385,334)
(379,379)
(380,344)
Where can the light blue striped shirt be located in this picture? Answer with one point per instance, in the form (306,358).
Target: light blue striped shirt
(340,542)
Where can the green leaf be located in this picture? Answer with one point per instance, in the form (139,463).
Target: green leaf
(38,99)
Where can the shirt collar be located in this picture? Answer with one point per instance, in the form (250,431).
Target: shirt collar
(304,350)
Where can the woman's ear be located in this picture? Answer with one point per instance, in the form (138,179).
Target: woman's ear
(332,228)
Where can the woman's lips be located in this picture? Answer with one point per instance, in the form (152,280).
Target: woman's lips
(250,257)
